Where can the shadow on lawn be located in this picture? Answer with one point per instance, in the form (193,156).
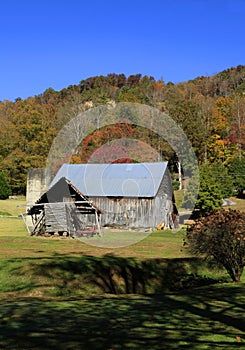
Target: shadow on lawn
(207,320)
(117,275)
(202,318)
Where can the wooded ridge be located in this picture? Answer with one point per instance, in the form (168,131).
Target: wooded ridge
(210,110)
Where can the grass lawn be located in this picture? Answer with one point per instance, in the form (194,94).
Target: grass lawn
(239,204)
(12,206)
(207,319)
(59,293)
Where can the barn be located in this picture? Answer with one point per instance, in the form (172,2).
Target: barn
(83,196)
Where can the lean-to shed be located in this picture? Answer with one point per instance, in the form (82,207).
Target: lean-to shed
(131,195)
(62,209)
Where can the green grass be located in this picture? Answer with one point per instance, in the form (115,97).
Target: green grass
(239,204)
(10,224)
(12,206)
(59,293)
(209,319)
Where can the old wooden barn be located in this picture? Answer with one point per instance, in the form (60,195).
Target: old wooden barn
(84,196)
(131,195)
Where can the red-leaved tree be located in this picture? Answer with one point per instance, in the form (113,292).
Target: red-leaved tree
(220,235)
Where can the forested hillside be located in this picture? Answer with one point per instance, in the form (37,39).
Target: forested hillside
(210,110)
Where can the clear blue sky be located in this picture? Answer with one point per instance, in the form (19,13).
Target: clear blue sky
(56,43)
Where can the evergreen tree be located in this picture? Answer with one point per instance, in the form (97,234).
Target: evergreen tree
(224,179)
(209,192)
(237,171)
(4,186)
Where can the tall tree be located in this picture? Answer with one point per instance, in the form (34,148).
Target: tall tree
(209,194)
(185,114)
(237,171)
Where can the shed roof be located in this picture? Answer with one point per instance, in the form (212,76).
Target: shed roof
(114,180)
(56,193)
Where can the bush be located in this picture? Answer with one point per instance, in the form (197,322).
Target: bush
(220,235)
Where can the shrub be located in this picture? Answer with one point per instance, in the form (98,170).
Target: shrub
(220,235)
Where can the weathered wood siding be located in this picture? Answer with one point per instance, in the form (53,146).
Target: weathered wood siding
(136,212)
(65,217)
(55,217)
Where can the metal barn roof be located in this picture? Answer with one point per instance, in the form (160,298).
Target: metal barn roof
(114,180)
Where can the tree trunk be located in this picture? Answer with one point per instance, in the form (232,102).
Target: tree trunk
(180,175)
(235,273)
(240,194)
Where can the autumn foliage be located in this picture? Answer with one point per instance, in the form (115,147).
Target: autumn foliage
(210,110)
(221,236)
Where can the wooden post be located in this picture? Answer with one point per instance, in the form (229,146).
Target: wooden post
(180,175)
(23,217)
(98,224)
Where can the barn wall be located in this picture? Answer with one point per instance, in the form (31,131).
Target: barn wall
(137,212)
(163,202)
(62,217)
(166,189)
(129,212)
(55,217)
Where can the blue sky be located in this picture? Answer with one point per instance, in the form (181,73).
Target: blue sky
(53,43)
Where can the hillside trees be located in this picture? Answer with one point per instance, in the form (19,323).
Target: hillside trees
(205,112)
(237,132)
(8,130)
(210,110)
(28,131)
(137,143)
(219,129)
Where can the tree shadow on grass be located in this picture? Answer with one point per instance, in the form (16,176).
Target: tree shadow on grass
(117,275)
(205,320)
(154,306)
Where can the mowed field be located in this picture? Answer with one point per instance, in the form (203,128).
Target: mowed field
(61,293)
